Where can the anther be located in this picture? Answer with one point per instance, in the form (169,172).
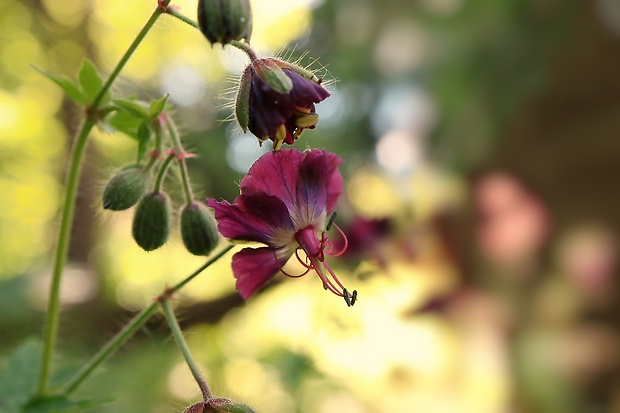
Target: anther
(347,298)
(331,221)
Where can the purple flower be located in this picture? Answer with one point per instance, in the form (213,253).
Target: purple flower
(276,100)
(286,199)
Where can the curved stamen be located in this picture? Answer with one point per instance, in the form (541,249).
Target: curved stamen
(345,245)
(291,275)
(302,262)
(327,282)
(334,276)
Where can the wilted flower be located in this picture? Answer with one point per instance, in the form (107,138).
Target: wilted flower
(285,201)
(276,100)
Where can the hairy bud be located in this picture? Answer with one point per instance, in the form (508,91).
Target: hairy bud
(198,229)
(151,223)
(218,405)
(125,189)
(196,408)
(221,404)
(222,21)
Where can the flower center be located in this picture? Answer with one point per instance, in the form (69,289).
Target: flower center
(315,251)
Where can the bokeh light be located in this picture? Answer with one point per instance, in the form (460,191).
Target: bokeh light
(479,143)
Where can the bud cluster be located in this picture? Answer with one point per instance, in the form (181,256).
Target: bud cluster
(141,185)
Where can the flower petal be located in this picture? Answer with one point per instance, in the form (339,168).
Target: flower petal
(305,92)
(275,173)
(319,184)
(253,267)
(255,217)
(270,109)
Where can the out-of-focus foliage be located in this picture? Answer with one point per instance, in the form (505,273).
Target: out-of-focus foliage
(478,292)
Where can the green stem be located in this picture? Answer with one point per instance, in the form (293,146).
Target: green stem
(157,152)
(131,328)
(111,347)
(50,331)
(178,336)
(174,134)
(162,173)
(246,48)
(239,45)
(130,51)
(182,17)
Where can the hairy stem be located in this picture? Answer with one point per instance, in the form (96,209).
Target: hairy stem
(50,331)
(178,336)
(176,140)
(239,45)
(110,348)
(131,328)
(162,173)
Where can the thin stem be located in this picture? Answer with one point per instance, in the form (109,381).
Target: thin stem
(111,347)
(246,48)
(130,329)
(178,336)
(155,154)
(50,331)
(162,173)
(159,10)
(175,13)
(239,45)
(176,140)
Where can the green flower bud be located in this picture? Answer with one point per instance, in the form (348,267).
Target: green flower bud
(151,223)
(222,21)
(125,189)
(221,404)
(198,229)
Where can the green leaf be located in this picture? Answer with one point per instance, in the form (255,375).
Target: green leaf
(71,89)
(90,81)
(19,375)
(125,122)
(135,107)
(157,107)
(60,404)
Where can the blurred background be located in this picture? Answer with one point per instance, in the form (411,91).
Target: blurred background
(481,148)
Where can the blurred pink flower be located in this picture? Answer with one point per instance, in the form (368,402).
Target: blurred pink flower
(513,223)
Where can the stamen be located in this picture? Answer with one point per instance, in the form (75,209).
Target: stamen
(291,275)
(331,221)
(330,251)
(327,284)
(297,133)
(302,262)
(334,276)
(347,299)
(306,121)
(279,138)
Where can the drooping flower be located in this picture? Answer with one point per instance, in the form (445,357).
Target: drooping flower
(286,199)
(276,100)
